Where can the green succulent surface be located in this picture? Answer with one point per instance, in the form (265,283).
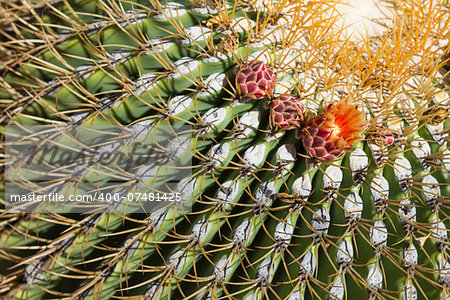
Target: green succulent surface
(260,219)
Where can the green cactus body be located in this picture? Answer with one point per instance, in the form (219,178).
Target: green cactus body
(260,218)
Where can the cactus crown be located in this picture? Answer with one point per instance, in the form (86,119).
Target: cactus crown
(266,88)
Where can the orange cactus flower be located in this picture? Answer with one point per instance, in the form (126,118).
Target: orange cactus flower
(328,135)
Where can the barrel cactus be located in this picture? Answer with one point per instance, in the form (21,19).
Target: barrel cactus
(318,163)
